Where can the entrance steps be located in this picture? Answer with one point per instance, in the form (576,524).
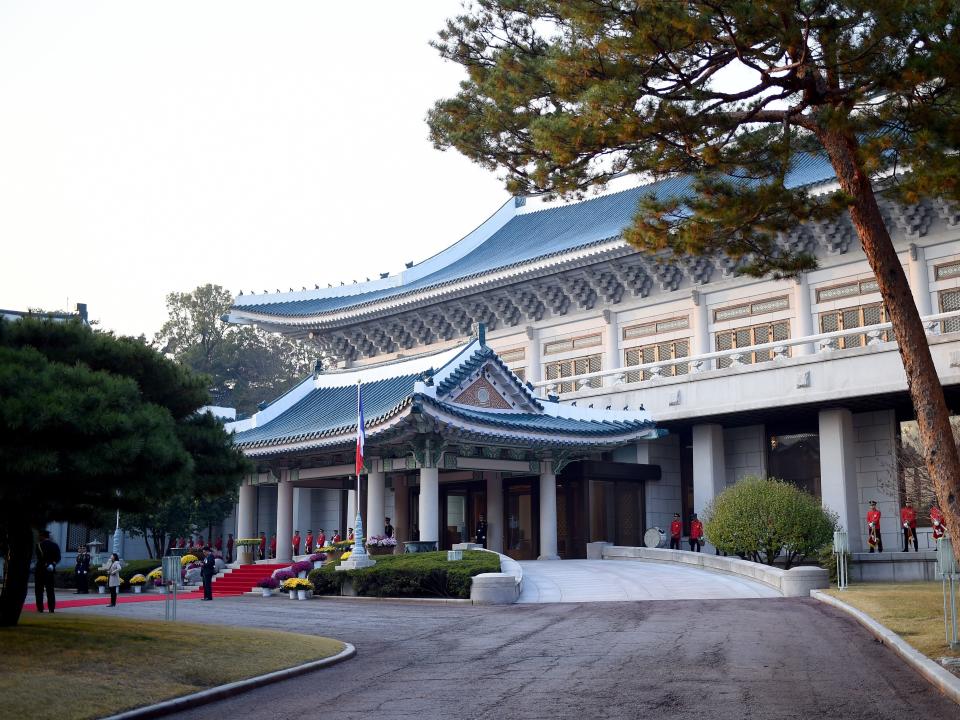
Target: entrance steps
(243,579)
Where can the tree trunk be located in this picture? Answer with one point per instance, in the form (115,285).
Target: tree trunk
(17,572)
(933,419)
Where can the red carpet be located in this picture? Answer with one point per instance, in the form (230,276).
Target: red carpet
(244,579)
(98,599)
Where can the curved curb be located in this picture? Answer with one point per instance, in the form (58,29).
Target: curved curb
(221,692)
(945,681)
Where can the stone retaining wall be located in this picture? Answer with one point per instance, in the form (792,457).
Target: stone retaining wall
(796,582)
(502,588)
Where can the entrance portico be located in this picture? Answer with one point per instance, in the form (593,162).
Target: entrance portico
(452,436)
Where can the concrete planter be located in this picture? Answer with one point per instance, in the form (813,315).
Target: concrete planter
(376,550)
(266,592)
(137,589)
(303,594)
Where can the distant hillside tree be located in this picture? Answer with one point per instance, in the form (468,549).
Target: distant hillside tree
(247,365)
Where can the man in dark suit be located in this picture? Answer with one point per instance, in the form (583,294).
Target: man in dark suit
(48,555)
(207,571)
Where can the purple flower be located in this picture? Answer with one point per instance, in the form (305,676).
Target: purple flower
(318,557)
(302,566)
(281,575)
(270,583)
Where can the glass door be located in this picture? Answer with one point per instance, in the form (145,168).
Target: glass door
(520,523)
(455,520)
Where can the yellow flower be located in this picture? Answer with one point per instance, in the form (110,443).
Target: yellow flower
(138,580)
(187,559)
(101,580)
(346,555)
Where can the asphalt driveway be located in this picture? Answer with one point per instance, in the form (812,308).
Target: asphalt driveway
(712,659)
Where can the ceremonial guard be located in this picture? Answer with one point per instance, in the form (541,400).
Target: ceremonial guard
(908,520)
(48,555)
(295,543)
(273,545)
(263,545)
(936,519)
(321,539)
(349,533)
(874,539)
(388,528)
(676,532)
(308,545)
(696,534)
(229,547)
(482,531)
(207,571)
(82,569)
(336,537)
(218,544)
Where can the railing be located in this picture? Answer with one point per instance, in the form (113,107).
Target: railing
(824,342)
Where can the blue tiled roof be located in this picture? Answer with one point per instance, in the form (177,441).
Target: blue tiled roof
(539,234)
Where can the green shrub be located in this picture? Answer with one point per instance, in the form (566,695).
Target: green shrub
(827,559)
(409,575)
(763,517)
(64,576)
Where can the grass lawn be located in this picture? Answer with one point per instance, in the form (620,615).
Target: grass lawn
(68,666)
(912,610)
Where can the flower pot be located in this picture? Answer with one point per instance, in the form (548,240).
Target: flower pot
(102,589)
(317,564)
(267,592)
(137,589)
(302,574)
(303,594)
(293,594)
(378,550)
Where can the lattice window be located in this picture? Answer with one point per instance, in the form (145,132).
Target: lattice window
(655,328)
(509,356)
(950,301)
(657,353)
(574,366)
(759,307)
(577,343)
(851,289)
(520,373)
(755,335)
(854,317)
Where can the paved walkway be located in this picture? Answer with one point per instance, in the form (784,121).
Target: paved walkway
(696,660)
(570,581)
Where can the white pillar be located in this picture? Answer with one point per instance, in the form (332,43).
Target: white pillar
(920,280)
(429,504)
(612,345)
(494,513)
(534,370)
(284,517)
(247,511)
(351,512)
(303,510)
(803,314)
(838,471)
(376,489)
(701,328)
(548,512)
(709,466)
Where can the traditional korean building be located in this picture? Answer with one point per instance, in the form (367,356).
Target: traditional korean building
(799,379)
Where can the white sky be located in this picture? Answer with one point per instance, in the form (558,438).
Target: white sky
(153,147)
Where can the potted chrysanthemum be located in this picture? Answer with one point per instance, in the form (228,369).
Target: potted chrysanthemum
(381,545)
(317,559)
(298,588)
(101,582)
(137,582)
(268,585)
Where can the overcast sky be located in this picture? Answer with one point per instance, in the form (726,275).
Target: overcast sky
(153,147)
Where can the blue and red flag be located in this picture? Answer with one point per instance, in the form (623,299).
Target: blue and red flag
(360,435)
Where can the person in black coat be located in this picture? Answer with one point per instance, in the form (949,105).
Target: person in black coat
(207,571)
(82,570)
(482,531)
(48,555)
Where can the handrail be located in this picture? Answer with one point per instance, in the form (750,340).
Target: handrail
(779,347)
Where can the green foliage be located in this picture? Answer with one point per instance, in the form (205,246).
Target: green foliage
(409,575)
(764,517)
(246,365)
(562,95)
(65,576)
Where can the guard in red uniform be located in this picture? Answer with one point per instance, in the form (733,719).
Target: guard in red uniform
(349,533)
(263,546)
(273,545)
(308,547)
(296,542)
(218,544)
(336,536)
(936,519)
(321,539)
(181,542)
(676,532)
(230,547)
(874,539)
(908,520)
(696,534)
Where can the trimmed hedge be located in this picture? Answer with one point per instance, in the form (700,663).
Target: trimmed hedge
(64,577)
(409,575)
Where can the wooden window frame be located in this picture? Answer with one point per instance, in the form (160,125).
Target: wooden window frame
(752,355)
(680,368)
(573,386)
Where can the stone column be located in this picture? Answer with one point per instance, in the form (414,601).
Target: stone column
(709,466)
(284,517)
(494,513)
(838,471)
(401,509)
(548,512)
(803,314)
(247,511)
(351,512)
(429,504)
(920,280)
(700,324)
(376,489)
(534,370)
(303,510)
(612,346)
